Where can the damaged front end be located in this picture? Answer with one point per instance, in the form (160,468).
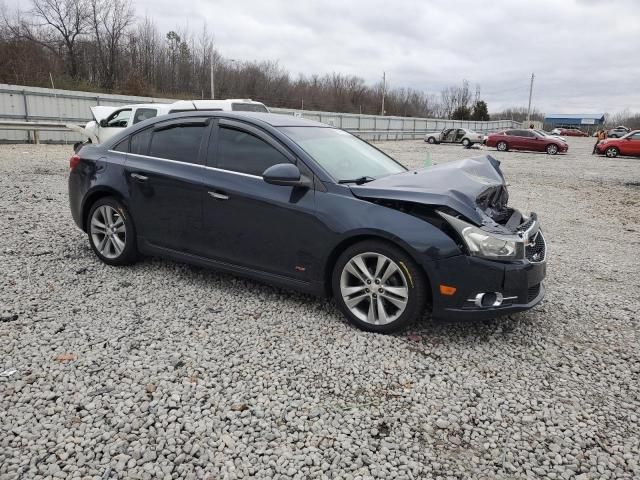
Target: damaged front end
(469,200)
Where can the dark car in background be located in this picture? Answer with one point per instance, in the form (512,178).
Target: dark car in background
(628,145)
(526,140)
(303,205)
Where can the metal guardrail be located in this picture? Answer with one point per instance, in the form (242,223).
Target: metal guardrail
(35,127)
(36,105)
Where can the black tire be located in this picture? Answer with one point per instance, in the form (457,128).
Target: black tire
(128,253)
(502,147)
(612,152)
(551,149)
(466,143)
(431,140)
(408,276)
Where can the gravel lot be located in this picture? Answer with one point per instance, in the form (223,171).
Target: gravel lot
(163,370)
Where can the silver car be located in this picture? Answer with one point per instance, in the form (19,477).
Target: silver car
(454,135)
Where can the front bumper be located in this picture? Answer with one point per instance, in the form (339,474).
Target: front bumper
(519,283)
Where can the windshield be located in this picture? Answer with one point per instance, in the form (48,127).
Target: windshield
(342,155)
(540,132)
(249,107)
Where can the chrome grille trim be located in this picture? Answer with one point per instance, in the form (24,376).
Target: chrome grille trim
(536,249)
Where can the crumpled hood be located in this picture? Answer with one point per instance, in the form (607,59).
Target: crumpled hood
(473,187)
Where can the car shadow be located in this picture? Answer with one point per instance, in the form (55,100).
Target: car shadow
(427,329)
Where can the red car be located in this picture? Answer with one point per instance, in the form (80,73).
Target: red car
(526,140)
(571,132)
(627,145)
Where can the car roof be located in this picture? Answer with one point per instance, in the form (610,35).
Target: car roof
(272,119)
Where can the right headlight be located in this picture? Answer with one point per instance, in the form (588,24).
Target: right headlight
(484,244)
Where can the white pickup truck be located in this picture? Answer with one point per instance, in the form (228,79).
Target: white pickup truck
(108,121)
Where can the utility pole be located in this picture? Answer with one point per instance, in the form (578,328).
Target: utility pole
(384,90)
(530,95)
(302,106)
(213,93)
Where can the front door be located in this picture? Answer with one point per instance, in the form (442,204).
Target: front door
(247,221)
(630,145)
(113,124)
(164,172)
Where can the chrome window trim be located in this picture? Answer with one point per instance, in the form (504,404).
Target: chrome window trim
(215,169)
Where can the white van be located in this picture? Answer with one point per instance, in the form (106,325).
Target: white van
(108,121)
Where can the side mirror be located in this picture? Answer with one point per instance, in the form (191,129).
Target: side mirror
(285,174)
(103,122)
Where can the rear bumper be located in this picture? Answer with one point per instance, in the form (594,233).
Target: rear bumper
(519,283)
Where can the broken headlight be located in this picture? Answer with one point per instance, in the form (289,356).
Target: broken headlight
(485,244)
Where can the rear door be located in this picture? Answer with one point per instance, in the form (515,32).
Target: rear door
(513,139)
(247,221)
(164,172)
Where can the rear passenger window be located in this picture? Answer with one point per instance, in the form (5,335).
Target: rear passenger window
(143,114)
(179,142)
(242,152)
(140,142)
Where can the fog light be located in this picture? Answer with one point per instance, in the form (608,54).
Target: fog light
(487,299)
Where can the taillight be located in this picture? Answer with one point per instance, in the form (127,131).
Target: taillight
(73,162)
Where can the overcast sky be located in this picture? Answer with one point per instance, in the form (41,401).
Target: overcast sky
(584,52)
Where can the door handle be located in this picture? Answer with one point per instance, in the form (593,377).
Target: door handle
(219,196)
(140,178)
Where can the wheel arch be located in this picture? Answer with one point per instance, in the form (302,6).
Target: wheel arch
(337,250)
(93,196)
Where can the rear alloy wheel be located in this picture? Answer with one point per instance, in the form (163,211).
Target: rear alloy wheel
(552,149)
(612,152)
(431,140)
(378,287)
(111,232)
(502,146)
(466,143)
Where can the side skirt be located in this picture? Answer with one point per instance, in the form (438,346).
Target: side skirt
(313,288)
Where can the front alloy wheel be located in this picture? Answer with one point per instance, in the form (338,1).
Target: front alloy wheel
(502,146)
(611,152)
(466,143)
(374,288)
(552,149)
(378,287)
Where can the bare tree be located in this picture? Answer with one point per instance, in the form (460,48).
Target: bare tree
(110,20)
(56,25)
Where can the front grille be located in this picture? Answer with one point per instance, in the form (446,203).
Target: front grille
(536,250)
(527,224)
(533,292)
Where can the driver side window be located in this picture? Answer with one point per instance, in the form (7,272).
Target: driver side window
(242,152)
(118,119)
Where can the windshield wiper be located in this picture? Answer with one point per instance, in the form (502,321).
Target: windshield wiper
(358,181)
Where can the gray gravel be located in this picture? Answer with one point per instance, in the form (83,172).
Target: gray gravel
(162,370)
